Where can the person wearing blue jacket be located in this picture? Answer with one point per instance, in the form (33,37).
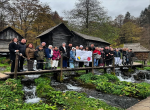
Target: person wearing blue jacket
(117,56)
(48,58)
(72,57)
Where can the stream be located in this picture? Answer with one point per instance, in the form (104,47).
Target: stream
(70,85)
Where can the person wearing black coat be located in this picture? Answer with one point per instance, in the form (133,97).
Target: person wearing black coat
(69,48)
(107,55)
(13,48)
(111,56)
(22,49)
(63,50)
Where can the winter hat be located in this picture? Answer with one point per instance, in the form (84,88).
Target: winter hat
(81,45)
(73,48)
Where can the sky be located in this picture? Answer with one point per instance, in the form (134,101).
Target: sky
(113,7)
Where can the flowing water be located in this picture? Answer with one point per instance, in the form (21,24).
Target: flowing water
(30,89)
(70,85)
(114,100)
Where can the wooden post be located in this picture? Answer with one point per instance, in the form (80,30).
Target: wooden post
(61,68)
(92,64)
(104,66)
(16,65)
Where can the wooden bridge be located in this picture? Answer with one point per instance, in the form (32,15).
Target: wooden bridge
(60,71)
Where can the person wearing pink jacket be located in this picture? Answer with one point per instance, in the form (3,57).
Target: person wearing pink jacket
(55,58)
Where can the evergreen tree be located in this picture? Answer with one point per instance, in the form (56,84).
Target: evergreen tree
(127,17)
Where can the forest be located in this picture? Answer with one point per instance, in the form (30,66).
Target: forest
(32,17)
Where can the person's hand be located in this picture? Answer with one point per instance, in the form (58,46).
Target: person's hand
(49,58)
(17,50)
(28,58)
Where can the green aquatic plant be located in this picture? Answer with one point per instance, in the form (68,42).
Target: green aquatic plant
(108,83)
(69,100)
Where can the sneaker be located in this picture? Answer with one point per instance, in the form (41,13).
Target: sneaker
(110,65)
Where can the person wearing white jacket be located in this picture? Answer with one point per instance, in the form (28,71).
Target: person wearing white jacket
(51,54)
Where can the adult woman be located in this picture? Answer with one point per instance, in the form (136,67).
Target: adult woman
(30,56)
(102,57)
(50,47)
(55,58)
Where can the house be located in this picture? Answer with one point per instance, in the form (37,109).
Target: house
(6,36)
(58,34)
(140,52)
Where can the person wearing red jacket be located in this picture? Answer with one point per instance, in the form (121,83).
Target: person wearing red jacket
(97,56)
(55,58)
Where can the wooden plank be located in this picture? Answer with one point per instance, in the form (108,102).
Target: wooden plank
(4,76)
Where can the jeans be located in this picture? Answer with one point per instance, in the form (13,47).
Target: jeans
(64,63)
(48,65)
(71,65)
(95,62)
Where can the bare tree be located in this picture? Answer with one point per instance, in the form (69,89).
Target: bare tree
(4,5)
(87,11)
(24,13)
(119,20)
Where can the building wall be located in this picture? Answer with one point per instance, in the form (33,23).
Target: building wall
(60,35)
(77,41)
(9,35)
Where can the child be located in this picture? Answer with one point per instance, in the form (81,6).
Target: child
(72,57)
(40,55)
(55,58)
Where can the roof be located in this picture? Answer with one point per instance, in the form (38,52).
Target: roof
(12,30)
(90,37)
(51,29)
(136,47)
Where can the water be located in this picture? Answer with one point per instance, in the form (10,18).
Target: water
(29,89)
(113,100)
(144,77)
(30,94)
(70,85)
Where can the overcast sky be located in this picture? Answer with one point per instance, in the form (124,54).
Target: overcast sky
(113,7)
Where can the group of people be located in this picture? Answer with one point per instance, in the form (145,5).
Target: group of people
(51,55)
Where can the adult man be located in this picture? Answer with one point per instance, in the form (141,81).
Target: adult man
(117,56)
(22,49)
(107,55)
(69,48)
(92,48)
(63,50)
(13,48)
